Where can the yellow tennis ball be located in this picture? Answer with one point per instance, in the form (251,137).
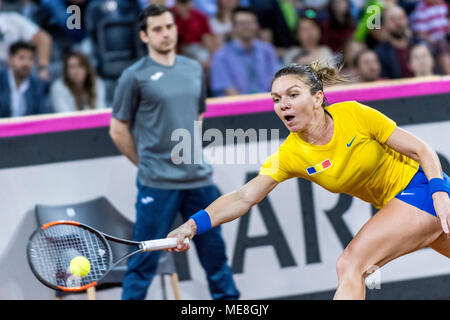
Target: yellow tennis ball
(80,266)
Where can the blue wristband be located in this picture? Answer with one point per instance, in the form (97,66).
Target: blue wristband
(438,184)
(202,220)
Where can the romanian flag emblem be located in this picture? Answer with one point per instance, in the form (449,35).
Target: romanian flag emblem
(319,167)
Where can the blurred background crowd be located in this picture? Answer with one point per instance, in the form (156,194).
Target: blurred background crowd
(51,62)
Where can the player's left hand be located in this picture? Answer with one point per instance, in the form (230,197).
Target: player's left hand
(442,206)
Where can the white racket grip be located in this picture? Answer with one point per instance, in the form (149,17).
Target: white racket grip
(161,244)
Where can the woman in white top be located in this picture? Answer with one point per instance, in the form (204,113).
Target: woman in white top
(309,35)
(221,23)
(79,88)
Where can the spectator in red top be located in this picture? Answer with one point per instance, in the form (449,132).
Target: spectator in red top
(429,20)
(340,25)
(195,38)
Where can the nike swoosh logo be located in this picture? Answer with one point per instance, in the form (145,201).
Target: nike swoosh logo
(407,194)
(349,144)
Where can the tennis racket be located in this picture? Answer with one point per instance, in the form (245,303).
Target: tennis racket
(52,247)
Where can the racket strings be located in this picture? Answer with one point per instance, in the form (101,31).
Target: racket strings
(52,250)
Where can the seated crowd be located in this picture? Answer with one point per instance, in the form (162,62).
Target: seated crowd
(45,66)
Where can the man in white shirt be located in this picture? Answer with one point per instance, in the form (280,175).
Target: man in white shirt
(15,27)
(21,93)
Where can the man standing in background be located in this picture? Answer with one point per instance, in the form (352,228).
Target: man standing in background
(157,95)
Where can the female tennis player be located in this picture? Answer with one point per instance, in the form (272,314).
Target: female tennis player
(347,148)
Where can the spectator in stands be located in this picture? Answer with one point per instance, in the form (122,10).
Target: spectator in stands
(309,36)
(367,66)
(79,88)
(340,25)
(195,37)
(15,27)
(351,49)
(221,23)
(21,92)
(278,22)
(245,65)
(303,58)
(430,21)
(393,53)
(421,61)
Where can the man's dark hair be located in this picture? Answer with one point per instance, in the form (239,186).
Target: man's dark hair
(21,45)
(151,11)
(242,10)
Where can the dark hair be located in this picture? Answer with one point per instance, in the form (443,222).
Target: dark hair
(241,9)
(348,19)
(359,54)
(313,75)
(151,11)
(89,82)
(310,16)
(313,20)
(21,45)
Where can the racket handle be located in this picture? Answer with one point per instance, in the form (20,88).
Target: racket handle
(161,244)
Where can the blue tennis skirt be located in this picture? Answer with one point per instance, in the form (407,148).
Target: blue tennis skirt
(417,192)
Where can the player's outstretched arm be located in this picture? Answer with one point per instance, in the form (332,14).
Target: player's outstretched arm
(224,209)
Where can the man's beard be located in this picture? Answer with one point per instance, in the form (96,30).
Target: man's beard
(22,73)
(164,51)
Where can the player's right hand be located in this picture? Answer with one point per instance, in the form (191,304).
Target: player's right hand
(186,230)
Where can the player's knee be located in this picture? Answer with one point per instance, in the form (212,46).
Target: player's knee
(348,265)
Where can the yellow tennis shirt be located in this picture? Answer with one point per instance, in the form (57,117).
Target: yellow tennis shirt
(356,161)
